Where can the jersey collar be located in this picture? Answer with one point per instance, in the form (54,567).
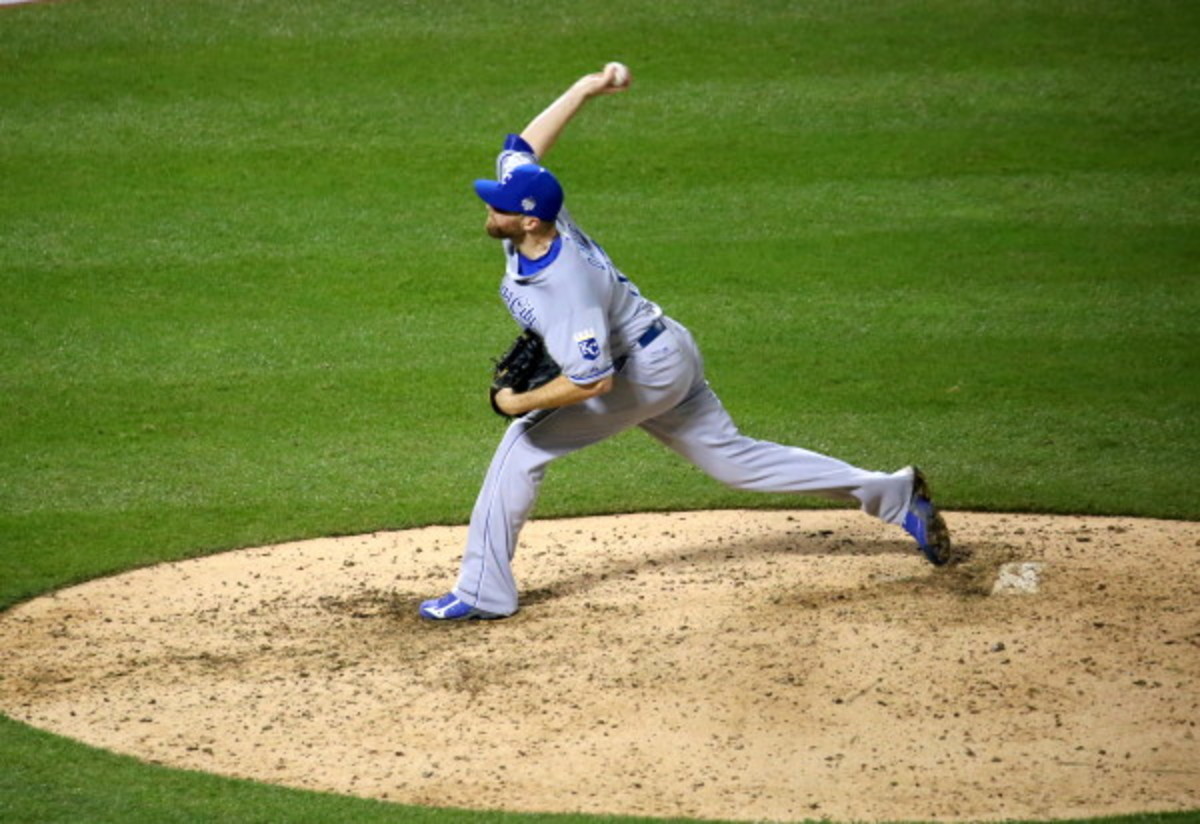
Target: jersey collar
(527,268)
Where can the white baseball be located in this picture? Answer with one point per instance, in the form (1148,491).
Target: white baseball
(620,74)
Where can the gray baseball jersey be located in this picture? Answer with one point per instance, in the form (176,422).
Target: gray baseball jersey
(589,314)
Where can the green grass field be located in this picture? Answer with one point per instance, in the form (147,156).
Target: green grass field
(246,296)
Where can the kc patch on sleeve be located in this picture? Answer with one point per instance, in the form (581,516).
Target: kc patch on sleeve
(589,347)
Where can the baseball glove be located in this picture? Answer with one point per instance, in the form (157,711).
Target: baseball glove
(525,366)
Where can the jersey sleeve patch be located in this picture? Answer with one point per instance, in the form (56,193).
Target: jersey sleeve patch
(589,345)
(592,364)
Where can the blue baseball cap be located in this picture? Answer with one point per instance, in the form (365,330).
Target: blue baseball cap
(528,189)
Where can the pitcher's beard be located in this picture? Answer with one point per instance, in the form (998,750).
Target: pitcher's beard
(500,232)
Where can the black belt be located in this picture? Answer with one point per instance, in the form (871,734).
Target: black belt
(648,337)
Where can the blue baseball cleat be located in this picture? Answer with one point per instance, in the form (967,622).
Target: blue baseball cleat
(925,524)
(451,608)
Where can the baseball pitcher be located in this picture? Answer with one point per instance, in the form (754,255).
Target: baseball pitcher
(618,362)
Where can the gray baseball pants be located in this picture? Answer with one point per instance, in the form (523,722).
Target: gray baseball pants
(662,389)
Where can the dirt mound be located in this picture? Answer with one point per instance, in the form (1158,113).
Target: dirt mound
(747,665)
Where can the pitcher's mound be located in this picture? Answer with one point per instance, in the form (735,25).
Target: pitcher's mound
(741,665)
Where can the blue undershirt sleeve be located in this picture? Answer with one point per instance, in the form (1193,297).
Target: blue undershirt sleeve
(516,143)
